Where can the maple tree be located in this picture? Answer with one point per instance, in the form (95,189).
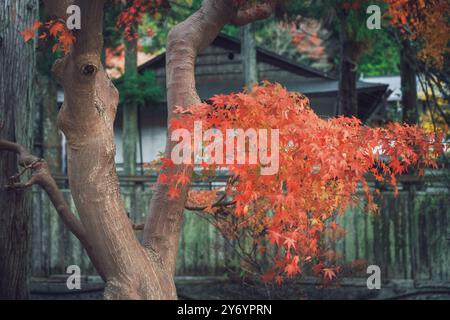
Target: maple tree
(322,161)
(425,22)
(55,30)
(134,12)
(309,42)
(423,28)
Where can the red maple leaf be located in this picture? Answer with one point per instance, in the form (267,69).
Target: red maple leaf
(329,273)
(167,163)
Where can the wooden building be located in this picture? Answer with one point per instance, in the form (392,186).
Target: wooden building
(219,70)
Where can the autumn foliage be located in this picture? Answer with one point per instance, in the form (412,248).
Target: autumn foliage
(322,163)
(54,30)
(130,16)
(426,22)
(133,14)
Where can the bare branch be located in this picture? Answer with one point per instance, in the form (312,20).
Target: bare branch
(216,204)
(138,227)
(41,176)
(258,11)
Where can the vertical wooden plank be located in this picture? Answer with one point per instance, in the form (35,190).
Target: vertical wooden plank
(46,241)
(54,233)
(397,239)
(391,243)
(446,225)
(217,251)
(36,243)
(406,231)
(337,243)
(384,228)
(376,243)
(421,236)
(436,271)
(406,248)
(413,222)
(357,233)
(369,237)
(344,240)
(432,234)
(181,256)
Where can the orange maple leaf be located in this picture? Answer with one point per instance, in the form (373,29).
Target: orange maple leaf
(27,34)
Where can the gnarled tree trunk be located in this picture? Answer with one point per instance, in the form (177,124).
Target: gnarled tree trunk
(131,270)
(16,114)
(86,118)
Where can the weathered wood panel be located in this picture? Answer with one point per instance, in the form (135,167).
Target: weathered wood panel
(408,239)
(216,65)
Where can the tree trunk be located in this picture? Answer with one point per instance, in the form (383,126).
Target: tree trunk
(131,270)
(130,113)
(86,117)
(16,109)
(408,85)
(348,93)
(163,226)
(248,56)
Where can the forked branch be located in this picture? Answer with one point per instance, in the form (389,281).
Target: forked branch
(254,12)
(41,176)
(219,203)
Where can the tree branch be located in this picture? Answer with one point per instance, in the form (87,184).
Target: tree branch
(41,176)
(258,11)
(216,204)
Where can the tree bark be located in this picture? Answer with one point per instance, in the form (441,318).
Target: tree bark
(16,109)
(86,118)
(131,270)
(348,93)
(408,85)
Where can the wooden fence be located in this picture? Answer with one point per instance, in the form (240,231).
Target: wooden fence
(408,239)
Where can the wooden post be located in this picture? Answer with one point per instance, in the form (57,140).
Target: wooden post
(248,55)
(130,112)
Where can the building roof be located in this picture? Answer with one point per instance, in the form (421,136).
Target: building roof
(321,83)
(395,85)
(264,55)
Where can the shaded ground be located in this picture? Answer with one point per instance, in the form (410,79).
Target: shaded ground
(214,288)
